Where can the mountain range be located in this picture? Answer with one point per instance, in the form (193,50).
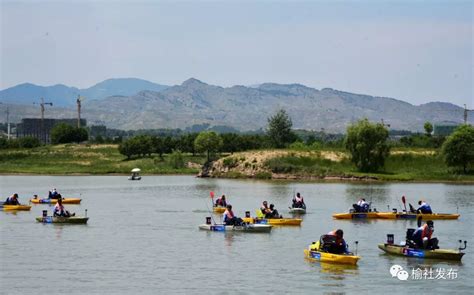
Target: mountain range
(245,108)
(65,96)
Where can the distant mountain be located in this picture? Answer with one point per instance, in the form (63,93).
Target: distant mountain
(27,93)
(64,96)
(195,103)
(123,86)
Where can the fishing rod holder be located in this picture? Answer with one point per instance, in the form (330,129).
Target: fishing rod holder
(208,220)
(460,245)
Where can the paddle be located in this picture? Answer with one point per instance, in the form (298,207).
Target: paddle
(404,203)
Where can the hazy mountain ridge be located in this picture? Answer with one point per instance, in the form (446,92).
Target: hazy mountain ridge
(65,96)
(247,108)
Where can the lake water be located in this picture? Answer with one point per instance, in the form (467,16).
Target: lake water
(143,238)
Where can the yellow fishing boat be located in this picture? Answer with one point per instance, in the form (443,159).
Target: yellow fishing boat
(218,209)
(15,207)
(356,215)
(331,258)
(273,221)
(54,201)
(414,216)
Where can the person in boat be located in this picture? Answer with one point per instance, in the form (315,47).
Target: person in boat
(221,202)
(266,211)
(59,210)
(424,208)
(53,194)
(12,200)
(422,236)
(228,218)
(273,212)
(333,242)
(298,201)
(361,206)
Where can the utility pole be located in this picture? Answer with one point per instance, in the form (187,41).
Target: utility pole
(42,104)
(465,113)
(78,101)
(8,121)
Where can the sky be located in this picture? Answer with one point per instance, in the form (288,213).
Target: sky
(417,51)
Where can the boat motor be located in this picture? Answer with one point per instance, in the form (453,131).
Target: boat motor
(460,245)
(247,214)
(208,220)
(390,239)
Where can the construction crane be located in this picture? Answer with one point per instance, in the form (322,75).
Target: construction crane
(42,104)
(78,101)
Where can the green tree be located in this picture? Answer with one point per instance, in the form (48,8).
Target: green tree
(209,142)
(28,142)
(126,149)
(367,144)
(428,128)
(64,133)
(279,129)
(230,142)
(458,149)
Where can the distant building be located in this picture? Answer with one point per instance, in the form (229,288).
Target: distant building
(41,129)
(445,128)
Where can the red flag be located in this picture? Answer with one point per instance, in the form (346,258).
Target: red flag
(212,195)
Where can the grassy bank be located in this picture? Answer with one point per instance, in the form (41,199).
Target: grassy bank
(401,165)
(86,159)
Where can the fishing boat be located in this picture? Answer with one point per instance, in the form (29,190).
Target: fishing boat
(54,201)
(405,215)
(135,174)
(15,207)
(402,250)
(297,211)
(273,221)
(356,215)
(331,258)
(63,220)
(219,209)
(247,228)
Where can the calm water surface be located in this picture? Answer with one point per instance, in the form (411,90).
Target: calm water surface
(142,238)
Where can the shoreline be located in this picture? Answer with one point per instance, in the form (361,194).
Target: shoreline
(290,178)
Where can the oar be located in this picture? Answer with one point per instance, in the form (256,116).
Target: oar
(404,203)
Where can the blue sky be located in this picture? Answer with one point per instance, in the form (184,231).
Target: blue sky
(417,51)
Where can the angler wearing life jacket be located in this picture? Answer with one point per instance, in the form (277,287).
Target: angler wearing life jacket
(424,208)
(422,236)
(221,202)
(53,194)
(59,210)
(298,201)
(12,200)
(361,206)
(267,212)
(228,218)
(333,242)
(273,212)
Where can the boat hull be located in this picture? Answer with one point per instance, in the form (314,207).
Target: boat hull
(358,215)
(251,228)
(297,211)
(218,209)
(444,254)
(15,207)
(331,258)
(401,215)
(274,221)
(63,220)
(54,201)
